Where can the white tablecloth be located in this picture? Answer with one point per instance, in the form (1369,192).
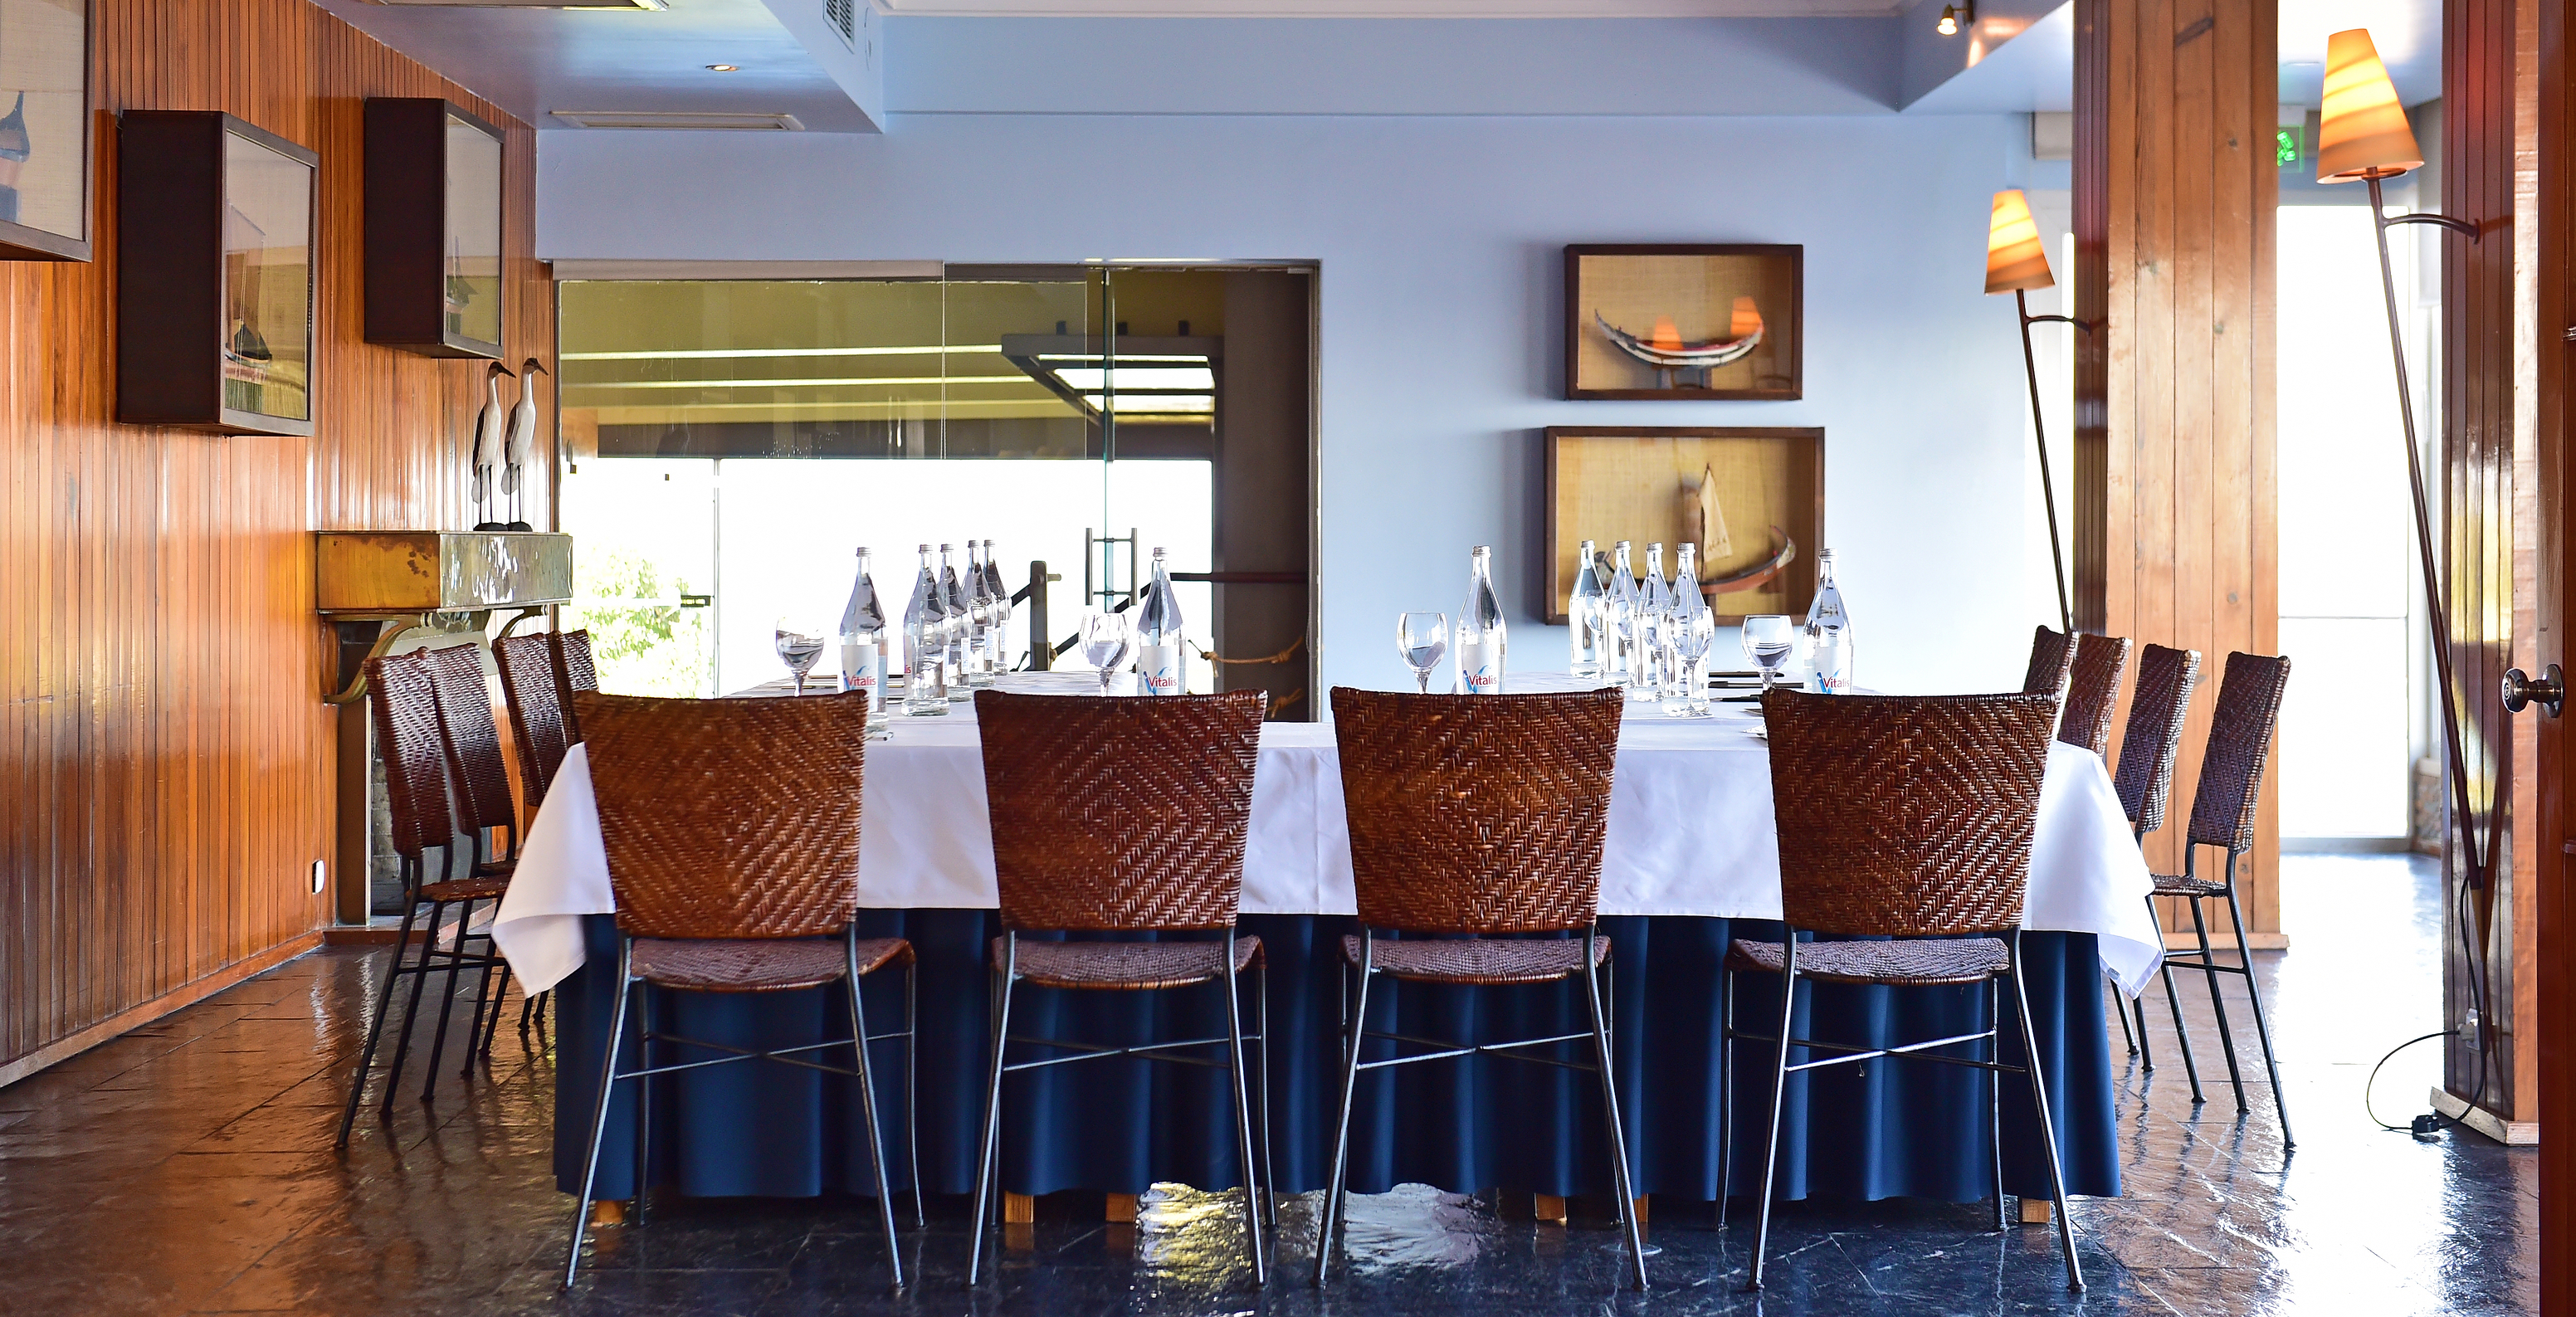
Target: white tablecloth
(1691,833)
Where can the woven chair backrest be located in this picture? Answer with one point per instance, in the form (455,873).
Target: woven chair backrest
(2093,692)
(568,653)
(2166,679)
(1119,813)
(1477,813)
(535,700)
(2052,662)
(728,818)
(1906,816)
(404,702)
(479,780)
(2240,745)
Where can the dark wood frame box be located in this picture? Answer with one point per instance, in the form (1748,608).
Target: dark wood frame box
(408,173)
(171,192)
(1629,504)
(1784,326)
(25,242)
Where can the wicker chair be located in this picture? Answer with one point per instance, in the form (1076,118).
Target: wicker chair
(2052,663)
(403,702)
(1121,815)
(569,654)
(1480,816)
(1904,818)
(536,703)
(2093,692)
(732,834)
(2222,815)
(480,789)
(2166,679)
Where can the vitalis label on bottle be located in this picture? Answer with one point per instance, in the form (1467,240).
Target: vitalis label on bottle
(1158,669)
(862,669)
(1480,669)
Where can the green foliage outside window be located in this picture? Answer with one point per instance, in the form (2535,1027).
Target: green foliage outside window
(643,642)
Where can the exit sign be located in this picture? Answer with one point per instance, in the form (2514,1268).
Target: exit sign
(2289,146)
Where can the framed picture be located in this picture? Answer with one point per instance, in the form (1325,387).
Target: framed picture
(215,222)
(1684,324)
(44,130)
(433,228)
(1752,499)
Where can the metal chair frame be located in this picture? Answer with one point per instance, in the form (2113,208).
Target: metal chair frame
(2206,961)
(1006,976)
(610,1075)
(1991,1062)
(420,967)
(1355,1029)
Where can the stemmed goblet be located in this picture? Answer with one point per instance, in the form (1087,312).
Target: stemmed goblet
(1422,638)
(800,642)
(1108,641)
(1768,640)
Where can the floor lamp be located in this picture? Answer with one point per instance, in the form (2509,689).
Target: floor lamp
(2016,262)
(2363,137)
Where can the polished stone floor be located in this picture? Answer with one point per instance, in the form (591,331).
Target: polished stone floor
(187,1167)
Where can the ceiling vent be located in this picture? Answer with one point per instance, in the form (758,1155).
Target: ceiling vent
(844,18)
(688,119)
(652,5)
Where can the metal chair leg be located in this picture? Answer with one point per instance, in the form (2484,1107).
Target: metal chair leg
(1234,1066)
(1779,1094)
(2138,1007)
(375,1029)
(912,1086)
(1725,1087)
(2120,1008)
(1356,1024)
(446,1000)
(992,1106)
(2217,1004)
(420,972)
(1261,1016)
(1995,1094)
(2173,999)
(1625,1189)
(643,1199)
(2262,1029)
(599,1117)
(2047,1125)
(500,992)
(868,1111)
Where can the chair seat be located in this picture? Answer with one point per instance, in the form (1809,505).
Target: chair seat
(1911,962)
(2169,884)
(1478,960)
(464,889)
(1128,966)
(757,964)
(500,868)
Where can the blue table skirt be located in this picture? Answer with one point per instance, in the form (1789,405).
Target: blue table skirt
(1891,1129)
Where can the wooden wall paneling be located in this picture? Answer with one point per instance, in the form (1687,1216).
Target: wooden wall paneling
(168,775)
(2174,480)
(2554,984)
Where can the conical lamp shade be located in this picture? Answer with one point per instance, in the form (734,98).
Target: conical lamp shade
(2361,129)
(2015,257)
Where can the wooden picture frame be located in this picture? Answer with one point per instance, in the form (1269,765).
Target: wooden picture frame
(1642,483)
(216,251)
(433,213)
(46,151)
(1726,322)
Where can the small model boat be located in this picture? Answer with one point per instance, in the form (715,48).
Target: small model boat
(1665,351)
(1759,575)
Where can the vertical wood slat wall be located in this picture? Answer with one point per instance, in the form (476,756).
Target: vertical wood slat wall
(2175,190)
(2486,469)
(167,782)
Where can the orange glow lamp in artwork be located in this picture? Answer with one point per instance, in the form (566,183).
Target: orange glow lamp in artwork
(1664,349)
(2016,262)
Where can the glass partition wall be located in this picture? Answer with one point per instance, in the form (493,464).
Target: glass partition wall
(730,444)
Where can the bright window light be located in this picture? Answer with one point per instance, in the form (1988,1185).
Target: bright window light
(1093,379)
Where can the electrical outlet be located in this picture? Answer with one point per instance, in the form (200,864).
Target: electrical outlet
(2473,1017)
(320,875)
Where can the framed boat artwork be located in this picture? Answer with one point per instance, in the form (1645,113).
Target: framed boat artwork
(1706,323)
(433,228)
(44,130)
(1752,498)
(215,225)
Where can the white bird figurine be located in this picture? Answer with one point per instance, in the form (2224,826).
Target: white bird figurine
(523,437)
(487,443)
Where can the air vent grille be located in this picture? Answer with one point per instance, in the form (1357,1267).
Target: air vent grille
(682,119)
(845,20)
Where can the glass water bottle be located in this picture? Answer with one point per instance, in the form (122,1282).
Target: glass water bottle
(1829,634)
(1159,646)
(863,643)
(1480,638)
(925,645)
(1619,599)
(1583,615)
(997,627)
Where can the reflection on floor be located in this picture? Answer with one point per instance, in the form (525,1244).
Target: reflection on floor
(187,1167)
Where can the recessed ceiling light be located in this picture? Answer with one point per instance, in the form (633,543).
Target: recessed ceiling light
(724,68)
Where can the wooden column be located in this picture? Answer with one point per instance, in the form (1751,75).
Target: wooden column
(2174,494)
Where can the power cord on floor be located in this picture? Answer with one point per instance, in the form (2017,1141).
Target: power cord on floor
(2428,1126)
(2422,1124)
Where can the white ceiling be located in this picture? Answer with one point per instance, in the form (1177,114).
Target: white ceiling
(1395,8)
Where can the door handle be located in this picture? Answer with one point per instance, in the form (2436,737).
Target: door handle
(2520,691)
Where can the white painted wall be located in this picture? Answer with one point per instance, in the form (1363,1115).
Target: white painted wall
(1440,241)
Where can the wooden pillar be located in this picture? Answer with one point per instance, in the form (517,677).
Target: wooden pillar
(2174,494)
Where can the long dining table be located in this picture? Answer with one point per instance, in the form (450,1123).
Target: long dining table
(1690,862)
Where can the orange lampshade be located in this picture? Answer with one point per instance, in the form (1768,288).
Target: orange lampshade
(1745,321)
(2361,129)
(2015,258)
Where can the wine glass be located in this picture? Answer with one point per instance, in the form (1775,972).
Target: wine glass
(1108,641)
(800,642)
(1768,640)
(1422,638)
(1692,634)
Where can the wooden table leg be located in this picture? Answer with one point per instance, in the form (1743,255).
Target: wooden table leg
(1019,1209)
(1548,1207)
(608,1212)
(2036,1211)
(1120,1210)
(1640,1206)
